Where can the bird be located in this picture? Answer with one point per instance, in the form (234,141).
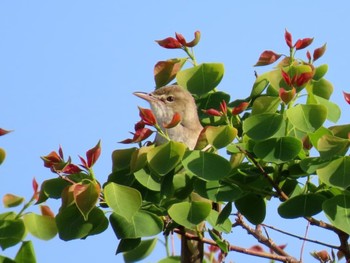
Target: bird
(165,102)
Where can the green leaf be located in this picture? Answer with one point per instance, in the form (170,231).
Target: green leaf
(307,118)
(337,210)
(171,259)
(26,253)
(139,158)
(141,251)
(220,136)
(43,227)
(278,150)
(201,79)
(189,214)
(208,166)
(333,110)
(128,244)
(322,88)
(259,86)
(6,260)
(2,155)
(121,159)
(262,126)
(341,131)
(151,182)
(274,77)
(135,227)
(211,101)
(224,213)
(254,213)
(303,205)
(125,201)
(335,173)
(265,104)
(86,197)
(165,71)
(224,226)
(217,191)
(71,224)
(10,200)
(52,188)
(320,71)
(330,146)
(315,136)
(224,246)
(12,231)
(164,158)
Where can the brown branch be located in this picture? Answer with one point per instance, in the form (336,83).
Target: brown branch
(286,259)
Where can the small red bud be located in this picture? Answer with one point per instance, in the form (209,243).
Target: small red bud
(286,78)
(308,55)
(223,107)
(212,112)
(288,38)
(318,52)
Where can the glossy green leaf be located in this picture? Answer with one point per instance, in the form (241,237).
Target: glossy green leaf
(125,201)
(341,131)
(6,260)
(335,173)
(265,104)
(274,77)
(278,150)
(12,231)
(135,227)
(217,192)
(253,207)
(303,205)
(220,136)
(307,118)
(151,182)
(141,251)
(320,71)
(333,110)
(224,213)
(322,88)
(221,226)
(86,197)
(211,101)
(190,214)
(164,158)
(26,253)
(259,86)
(2,155)
(128,244)
(262,126)
(315,136)
(43,227)
(201,79)
(165,71)
(71,224)
(139,158)
(330,146)
(311,164)
(10,200)
(208,166)
(337,210)
(121,159)
(182,185)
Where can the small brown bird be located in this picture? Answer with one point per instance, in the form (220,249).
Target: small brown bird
(167,101)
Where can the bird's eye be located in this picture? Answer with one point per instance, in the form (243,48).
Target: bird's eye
(170,98)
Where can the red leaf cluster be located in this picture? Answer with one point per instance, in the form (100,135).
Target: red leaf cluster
(214,112)
(299,44)
(179,41)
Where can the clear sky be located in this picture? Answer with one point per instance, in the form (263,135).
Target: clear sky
(68,70)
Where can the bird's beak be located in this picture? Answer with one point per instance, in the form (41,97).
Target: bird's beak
(143,95)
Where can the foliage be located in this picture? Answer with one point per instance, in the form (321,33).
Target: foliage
(274,144)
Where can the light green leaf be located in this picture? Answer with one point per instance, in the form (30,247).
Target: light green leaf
(151,182)
(26,253)
(278,150)
(136,226)
(208,166)
(201,79)
(217,191)
(259,86)
(190,214)
(164,158)
(43,227)
(337,210)
(141,251)
(320,71)
(341,131)
(171,259)
(265,104)
(224,226)
(220,136)
(330,146)
(10,200)
(125,201)
(12,231)
(336,172)
(333,110)
(262,126)
(307,118)
(303,205)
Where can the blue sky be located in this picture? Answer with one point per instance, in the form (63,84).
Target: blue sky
(68,70)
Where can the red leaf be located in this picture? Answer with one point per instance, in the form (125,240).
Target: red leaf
(83,162)
(288,38)
(139,125)
(127,141)
(267,57)
(286,78)
(147,116)
(303,78)
(212,112)
(318,52)
(142,134)
(60,152)
(308,55)
(346,97)
(174,121)
(240,108)
(35,187)
(93,154)
(169,42)
(287,95)
(3,132)
(71,169)
(303,43)
(46,211)
(194,42)
(180,38)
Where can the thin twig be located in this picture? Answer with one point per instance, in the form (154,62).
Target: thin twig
(304,240)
